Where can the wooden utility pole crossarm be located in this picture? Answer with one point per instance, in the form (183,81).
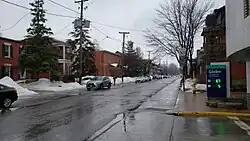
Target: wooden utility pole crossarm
(123,51)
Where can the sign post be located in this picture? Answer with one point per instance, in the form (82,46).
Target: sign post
(217,81)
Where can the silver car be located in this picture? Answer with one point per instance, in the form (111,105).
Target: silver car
(99,82)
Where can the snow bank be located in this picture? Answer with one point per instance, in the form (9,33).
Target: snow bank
(188,85)
(126,80)
(44,84)
(20,90)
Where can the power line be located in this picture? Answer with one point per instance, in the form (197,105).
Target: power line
(15,4)
(16,22)
(99,31)
(59,31)
(66,16)
(107,36)
(53,14)
(112,38)
(117,27)
(63,6)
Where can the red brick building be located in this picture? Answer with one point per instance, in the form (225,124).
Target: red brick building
(9,53)
(107,63)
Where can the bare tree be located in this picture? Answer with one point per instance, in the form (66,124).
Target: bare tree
(176,25)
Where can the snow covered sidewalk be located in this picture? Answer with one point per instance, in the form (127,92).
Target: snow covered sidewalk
(44,84)
(20,90)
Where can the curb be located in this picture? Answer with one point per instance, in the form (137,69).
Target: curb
(207,114)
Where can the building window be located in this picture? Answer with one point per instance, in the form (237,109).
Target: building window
(7,50)
(68,50)
(246,8)
(7,70)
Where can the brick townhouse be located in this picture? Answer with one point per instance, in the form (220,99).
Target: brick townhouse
(107,63)
(9,53)
(214,48)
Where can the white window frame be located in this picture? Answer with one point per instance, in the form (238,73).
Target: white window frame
(9,51)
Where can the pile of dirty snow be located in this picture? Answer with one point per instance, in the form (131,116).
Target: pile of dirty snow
(125,80)
(44,84)
(188,85)
(20,90)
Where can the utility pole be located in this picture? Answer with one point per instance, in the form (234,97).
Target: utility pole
(81,38)
(123,51)
(149,52)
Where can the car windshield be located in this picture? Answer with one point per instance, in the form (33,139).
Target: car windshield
(86,78)
(97,78)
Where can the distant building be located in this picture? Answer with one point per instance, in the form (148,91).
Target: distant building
(201,66)
(214,47)
(64,56)
(9,53)
(108,63)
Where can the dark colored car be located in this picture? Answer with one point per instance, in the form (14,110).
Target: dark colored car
(99,82)
(8,95)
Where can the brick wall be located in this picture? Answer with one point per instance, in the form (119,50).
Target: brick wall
(103,59)
(13,60)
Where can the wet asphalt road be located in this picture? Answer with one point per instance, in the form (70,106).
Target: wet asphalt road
(151,123)
(133,112)
(72,117)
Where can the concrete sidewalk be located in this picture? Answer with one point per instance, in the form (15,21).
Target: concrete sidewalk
(188,102)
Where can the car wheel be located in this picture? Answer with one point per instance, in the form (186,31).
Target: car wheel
(109,85)
(101,86)
(7,102)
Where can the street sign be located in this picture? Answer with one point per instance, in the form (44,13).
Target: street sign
(216,81)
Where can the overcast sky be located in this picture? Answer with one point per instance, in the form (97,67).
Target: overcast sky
(109,16)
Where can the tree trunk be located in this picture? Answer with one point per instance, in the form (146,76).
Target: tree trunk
(191,68)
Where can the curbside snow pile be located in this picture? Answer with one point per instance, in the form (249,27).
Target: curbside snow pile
(20,90)
(189,87)
(126,80)
(44,84)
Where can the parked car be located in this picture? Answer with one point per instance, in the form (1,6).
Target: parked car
(99,82)
(157,76)
(85,79)
(8,95)
(165,76)
(148,78)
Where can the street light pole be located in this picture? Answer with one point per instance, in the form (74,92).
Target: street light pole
(123,51)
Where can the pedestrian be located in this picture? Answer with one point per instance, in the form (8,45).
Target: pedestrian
(114,78)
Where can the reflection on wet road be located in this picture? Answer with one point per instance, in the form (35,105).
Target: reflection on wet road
(73,117)
(148,126)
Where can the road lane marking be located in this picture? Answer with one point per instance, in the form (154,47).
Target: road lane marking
(241,124)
